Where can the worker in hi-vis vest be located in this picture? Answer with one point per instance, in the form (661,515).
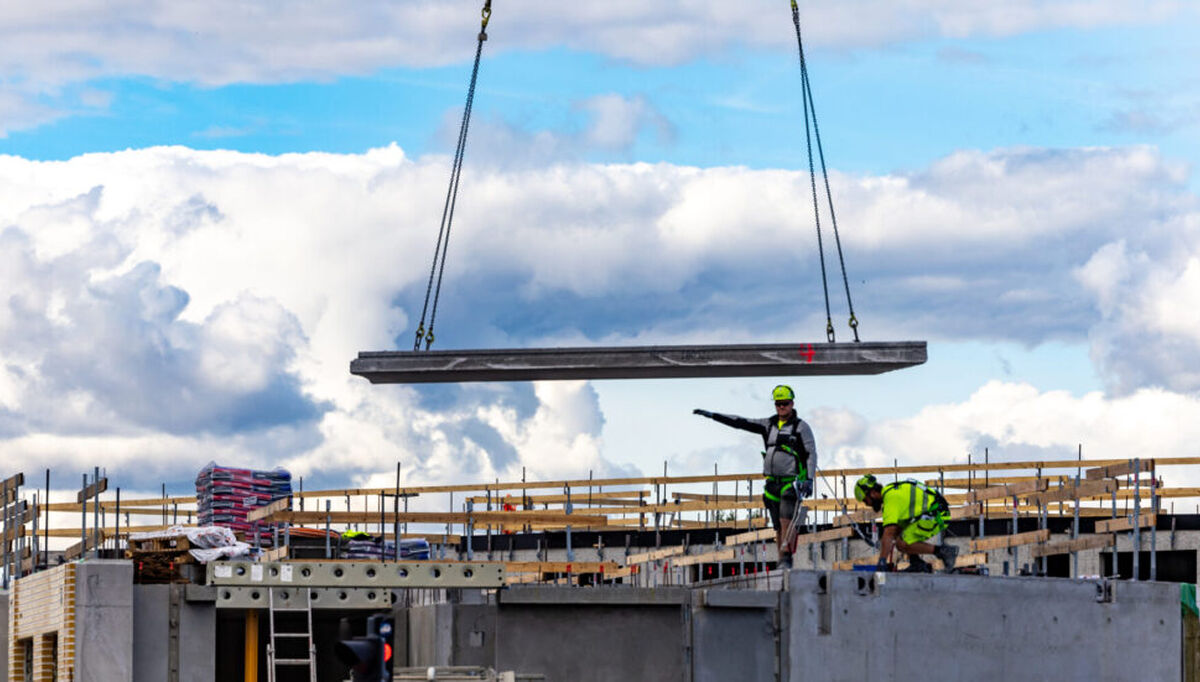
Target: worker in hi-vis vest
(912,514)
(789,457)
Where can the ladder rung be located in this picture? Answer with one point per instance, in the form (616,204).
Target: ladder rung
(292,634)
(292,661)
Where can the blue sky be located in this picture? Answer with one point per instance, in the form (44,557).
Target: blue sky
(204,220)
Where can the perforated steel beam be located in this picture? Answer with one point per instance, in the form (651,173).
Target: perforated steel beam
(639,362)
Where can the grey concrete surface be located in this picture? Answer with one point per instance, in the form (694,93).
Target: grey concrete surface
(898,626)
(819,626)
(104,621)
(641,362)
(151,640)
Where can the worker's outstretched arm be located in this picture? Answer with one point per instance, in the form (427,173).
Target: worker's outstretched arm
(758,426)
(886,542)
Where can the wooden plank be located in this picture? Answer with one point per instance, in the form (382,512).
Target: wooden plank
(1003,541)
(1070,492)
(711,478)
(478,518)
(706,558)
(655,555)
(74,551)
(980,483)
(263,512)
(1077,545)
(1007,490)
(10,484)
(859,516)
(620,573)
(849,564)
(160,502)
(1126,523)
(560,566)
(92,490)
(966,512)
(276,554)
(824,536)
(753,536)
(577,497)
(1123,468)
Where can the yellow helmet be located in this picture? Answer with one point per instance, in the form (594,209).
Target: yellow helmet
(782,392)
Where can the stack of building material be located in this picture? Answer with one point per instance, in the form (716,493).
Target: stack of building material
(377,549)
(225,495)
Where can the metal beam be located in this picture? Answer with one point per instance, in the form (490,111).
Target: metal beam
(642,362)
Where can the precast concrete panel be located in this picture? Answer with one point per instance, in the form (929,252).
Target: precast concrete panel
(735,636)
(897,626)
(104,621)
(595,635)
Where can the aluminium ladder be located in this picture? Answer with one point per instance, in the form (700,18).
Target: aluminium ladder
(272,661)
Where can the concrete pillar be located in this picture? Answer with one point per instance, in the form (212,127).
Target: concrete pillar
(104,621)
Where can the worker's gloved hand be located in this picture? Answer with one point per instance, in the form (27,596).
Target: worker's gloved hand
(804,488)
(883,566)
(703,413)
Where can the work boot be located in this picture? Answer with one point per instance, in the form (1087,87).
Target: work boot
(785,563)
(917,565)
(947,553)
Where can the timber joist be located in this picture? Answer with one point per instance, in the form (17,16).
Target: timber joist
(1076,545)
(1014,540)
(1126,523)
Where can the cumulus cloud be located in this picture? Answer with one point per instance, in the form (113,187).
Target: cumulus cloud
(193,304)
(1017,422)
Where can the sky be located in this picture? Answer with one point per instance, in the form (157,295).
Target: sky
(207,210)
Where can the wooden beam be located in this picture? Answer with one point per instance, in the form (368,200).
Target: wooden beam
(1007,490)
(76,550)
(263,512)
(478,518)
(1077,545)
(655,555)
(859,516)
(1071,492)
(560,566)
(752,536)
(979,483)
(823,536)
(160,502)
(966,512)
(10,484)
(1126,523)
(1003,541)
(1122,468)
(92,490)
(578,497)
(706,558)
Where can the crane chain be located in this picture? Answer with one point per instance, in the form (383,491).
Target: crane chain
(438,267)
(810,111)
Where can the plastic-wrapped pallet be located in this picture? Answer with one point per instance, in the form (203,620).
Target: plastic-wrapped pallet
(225,495)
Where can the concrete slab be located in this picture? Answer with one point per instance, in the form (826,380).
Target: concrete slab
(640,362)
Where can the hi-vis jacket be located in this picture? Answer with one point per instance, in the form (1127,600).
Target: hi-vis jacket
(794,433)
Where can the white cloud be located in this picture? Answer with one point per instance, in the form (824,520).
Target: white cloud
(1018,422)
(191,305)
(225,41)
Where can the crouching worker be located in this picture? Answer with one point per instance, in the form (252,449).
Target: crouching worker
(912,514)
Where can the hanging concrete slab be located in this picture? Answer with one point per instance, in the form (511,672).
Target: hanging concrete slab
(639,362)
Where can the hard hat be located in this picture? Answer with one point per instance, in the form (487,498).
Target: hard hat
(863,485)
(782,392)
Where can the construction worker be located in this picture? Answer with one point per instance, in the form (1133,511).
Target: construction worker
(912,515)
(790,454)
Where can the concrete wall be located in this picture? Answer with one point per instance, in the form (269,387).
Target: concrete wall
(151,634)
(824,626)
(104,621)
(852,626)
